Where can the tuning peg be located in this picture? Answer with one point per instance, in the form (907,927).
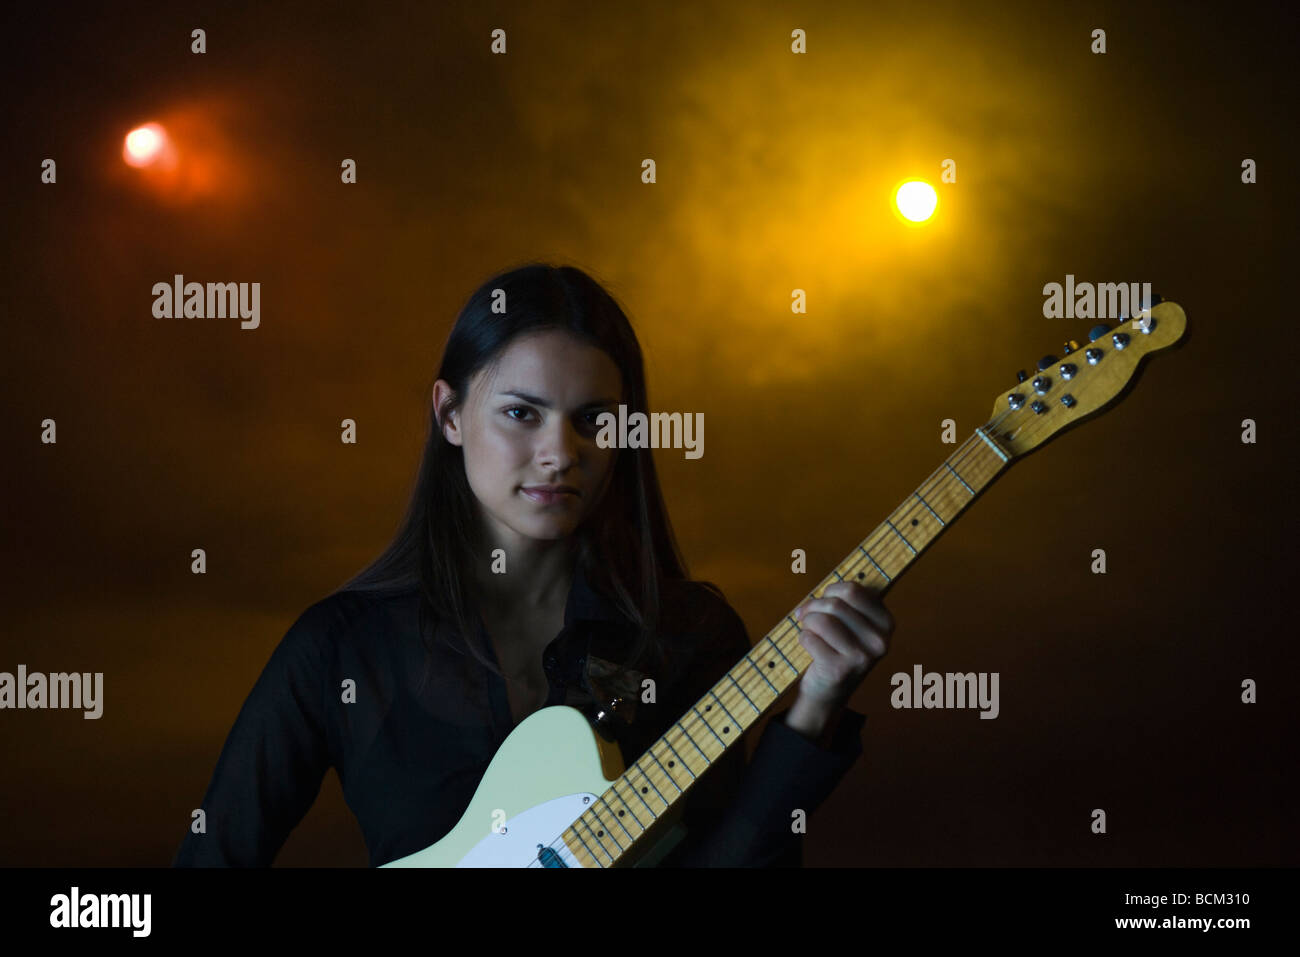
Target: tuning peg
(1022,375)
(1070,346)
(1156,299)
(1096,332)
(1045,362)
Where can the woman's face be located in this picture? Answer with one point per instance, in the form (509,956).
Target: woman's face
(530,422)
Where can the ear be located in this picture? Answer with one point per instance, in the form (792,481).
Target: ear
(450,422)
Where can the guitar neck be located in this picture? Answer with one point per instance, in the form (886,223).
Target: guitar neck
(654,785)
(1065,393)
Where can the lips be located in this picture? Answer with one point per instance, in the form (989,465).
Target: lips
(550,494)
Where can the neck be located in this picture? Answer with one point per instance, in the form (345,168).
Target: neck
(527,575)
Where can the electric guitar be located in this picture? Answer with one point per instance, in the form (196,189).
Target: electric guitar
(556,794)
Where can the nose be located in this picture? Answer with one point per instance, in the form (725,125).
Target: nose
(557,448)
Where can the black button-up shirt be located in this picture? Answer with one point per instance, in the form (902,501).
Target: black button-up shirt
(412,746)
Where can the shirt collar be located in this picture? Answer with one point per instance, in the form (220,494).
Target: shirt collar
(586,604)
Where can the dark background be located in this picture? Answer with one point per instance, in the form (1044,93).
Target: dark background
(1118,691)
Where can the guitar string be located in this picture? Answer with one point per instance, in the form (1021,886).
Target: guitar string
(971,444)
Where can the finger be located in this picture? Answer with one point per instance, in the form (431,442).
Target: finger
(866,601)
(817,646)
(848,641)
(856,634)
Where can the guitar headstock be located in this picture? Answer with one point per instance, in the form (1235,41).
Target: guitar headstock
(1063,392)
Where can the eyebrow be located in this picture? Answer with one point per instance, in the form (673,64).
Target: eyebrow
(537,400)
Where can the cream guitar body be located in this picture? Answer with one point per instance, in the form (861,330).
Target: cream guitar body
(550,770)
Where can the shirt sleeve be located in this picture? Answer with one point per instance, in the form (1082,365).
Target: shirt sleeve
(274,759)
(742,814)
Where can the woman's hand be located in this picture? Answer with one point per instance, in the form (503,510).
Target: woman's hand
(846,631)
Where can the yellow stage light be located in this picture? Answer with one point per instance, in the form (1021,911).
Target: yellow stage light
(916,200)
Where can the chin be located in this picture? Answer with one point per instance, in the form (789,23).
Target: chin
(548,531)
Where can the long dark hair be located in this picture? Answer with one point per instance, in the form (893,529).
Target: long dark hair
(626,547)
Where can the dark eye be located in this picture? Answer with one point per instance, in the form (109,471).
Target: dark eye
(517,408)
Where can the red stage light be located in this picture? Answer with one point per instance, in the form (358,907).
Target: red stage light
(144,144)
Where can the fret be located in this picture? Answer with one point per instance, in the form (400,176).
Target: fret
(932,511)
(677,760)
(599,843)
(590,853)
(710,727)
(761,675)
(641,828)
(742,691)
(900,535)
(857,575)
(993,445)
(667,804)
(618,820)
(724,707)
(873,562)
(707,762)
(594,810)
(777,649)
(669,776)
(627,783)
(960,479)
(653,817)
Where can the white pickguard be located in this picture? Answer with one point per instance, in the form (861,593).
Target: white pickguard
(523,837)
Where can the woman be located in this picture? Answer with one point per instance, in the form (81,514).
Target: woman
(533,568)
